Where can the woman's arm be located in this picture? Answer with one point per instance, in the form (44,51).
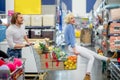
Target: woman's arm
(72,39)
(71,35)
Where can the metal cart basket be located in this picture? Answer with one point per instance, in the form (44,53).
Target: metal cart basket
(114,71)
(18,74)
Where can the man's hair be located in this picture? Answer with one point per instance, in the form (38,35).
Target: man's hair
(14,17)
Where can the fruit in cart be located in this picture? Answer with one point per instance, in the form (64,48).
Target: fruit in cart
(43,47)
(36,46)
(2,62)
(70,63)
(50,48)
(17,62)
(61,56)
(65,63)
(11,66)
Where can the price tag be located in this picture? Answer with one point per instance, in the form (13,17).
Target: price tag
(117,42)
(117,28)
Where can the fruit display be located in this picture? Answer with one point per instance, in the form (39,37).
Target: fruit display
(70,63)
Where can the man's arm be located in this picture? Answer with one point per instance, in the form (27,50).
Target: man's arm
(26,39)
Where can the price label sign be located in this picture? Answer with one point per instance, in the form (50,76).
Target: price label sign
(117,28)
(117,42)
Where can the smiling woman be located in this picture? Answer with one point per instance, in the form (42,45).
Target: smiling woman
(76,49)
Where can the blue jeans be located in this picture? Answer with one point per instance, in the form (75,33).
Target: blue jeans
(14,52)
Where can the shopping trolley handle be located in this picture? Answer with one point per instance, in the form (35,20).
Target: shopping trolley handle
(27,45)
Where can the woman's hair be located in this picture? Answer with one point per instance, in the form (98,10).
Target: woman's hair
(14,17)
(68,17)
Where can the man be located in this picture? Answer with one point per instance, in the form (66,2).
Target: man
(15,34)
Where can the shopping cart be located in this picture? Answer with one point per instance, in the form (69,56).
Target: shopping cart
(18,74)
(37,60)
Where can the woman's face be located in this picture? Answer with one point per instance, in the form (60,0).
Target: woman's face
(72,20)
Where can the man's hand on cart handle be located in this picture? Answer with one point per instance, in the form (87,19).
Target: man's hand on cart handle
(30,44)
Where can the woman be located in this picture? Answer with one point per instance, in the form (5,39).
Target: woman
(15,35)
(69,34)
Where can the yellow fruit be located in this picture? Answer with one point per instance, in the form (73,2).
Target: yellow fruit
(71,65)
(65,63)
(70,68)
(69,60)
(74,66)
(50,48)
(67,66)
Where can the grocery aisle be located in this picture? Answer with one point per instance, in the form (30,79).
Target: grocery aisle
(78,74)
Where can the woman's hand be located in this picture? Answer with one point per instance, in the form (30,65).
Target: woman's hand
(75,52)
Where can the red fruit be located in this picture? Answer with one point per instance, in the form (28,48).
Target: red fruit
(118,60)
(11,66)
(2,62)
(17,62)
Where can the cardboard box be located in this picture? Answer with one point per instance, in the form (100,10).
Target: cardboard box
(115,13)
(115,28)
(46,65)
(38,51)
(45,57)
(48,34)
(49,20)
(58,65)
(36,20)
(114,42)
(27,20)
(85,35)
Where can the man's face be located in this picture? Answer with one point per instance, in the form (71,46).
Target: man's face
(19,19)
